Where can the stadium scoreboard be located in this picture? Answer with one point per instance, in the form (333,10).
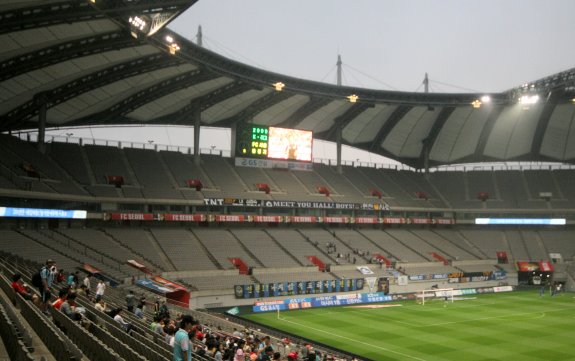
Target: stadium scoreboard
(257,146)
(262,142)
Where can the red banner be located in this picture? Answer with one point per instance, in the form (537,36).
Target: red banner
(301,219)
(366,220)
(267,219)
(335,219)
(394,220)
(421,220)
(230,218)
(131,216)
(184,217)
(546,266)
(445,221)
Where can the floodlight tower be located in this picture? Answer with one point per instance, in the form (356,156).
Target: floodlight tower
(338,123)
(200,37)
(339,70)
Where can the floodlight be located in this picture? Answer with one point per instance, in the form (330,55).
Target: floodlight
(169,39)
(173,48)
(353,98)
(476,104)
(485,99)
(279,86)
(529,99)
(573,100)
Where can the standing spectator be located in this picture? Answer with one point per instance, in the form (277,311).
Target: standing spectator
(70,280)
(86,282)
(130,301)
(100,289)
(163,311)
(47,280)
(182,345)
(76,279)
(157,305)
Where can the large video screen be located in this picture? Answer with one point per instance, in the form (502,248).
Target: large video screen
(290,144)
(258,141)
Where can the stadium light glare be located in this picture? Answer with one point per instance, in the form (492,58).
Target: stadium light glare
(353,98)
(279,86)
(476,104)
(573,100)
(169,39)
(173,48)
(528,99)
(485,99)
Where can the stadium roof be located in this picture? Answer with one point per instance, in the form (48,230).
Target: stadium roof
(99,62)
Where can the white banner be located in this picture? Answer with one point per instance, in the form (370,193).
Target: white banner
(371,283)
(365,270)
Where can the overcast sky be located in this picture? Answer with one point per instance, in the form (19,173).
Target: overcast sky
(484,46)
(489,45)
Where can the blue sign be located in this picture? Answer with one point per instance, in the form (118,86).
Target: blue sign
(323,301)
(41,213)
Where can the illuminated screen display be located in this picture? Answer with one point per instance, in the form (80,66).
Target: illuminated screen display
(290,144)
(526,221)
(41,213)
(257,141)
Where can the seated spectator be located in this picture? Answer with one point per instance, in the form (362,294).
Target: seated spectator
(139,311)
(70,308)
(82,290)
(20,287)
(120,320)
(62,295)
(159,326)
(101,306)
(60,277)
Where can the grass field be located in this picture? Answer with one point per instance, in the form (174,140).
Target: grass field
(504,326)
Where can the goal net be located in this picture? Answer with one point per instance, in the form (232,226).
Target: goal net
(442,294)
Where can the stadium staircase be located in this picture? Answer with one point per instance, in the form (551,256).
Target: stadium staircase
(471,245)
(206,250)
(139,254)
(283,248)
(246,249)
(160,249)
(103,258)
(377,246)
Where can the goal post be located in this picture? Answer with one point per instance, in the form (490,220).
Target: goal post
(444,294)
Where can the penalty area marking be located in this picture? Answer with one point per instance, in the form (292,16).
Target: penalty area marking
(354,340)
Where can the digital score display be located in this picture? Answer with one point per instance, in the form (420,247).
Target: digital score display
(256,141)
(259,142)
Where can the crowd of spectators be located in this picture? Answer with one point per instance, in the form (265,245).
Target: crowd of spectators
(184,334)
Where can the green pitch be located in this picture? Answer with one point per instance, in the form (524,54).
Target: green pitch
(505,326)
